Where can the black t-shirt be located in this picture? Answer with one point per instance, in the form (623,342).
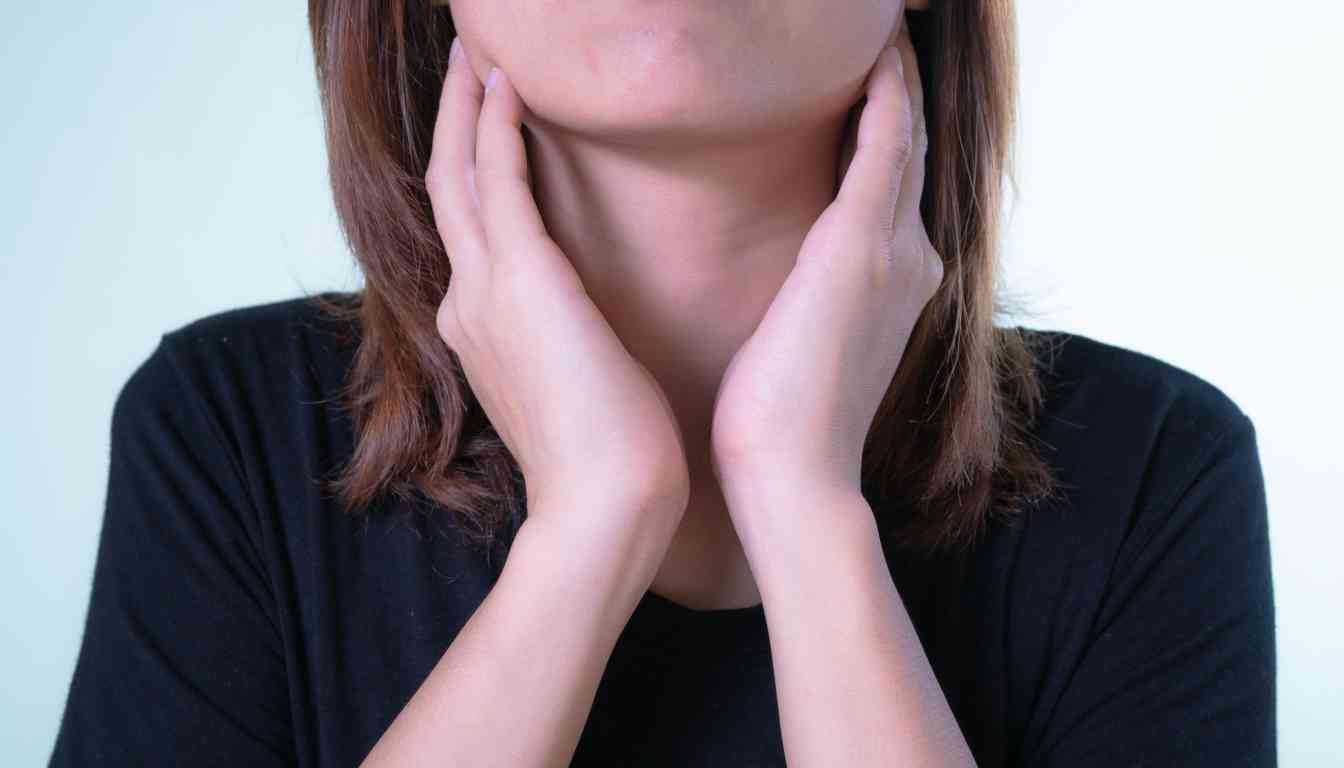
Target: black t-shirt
(239,618)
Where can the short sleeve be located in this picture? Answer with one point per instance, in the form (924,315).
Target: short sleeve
(181,661)
(1180,669)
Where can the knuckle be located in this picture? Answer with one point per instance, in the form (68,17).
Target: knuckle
(933,269)
(896,150)
(895,155)
(458,317)
(447,321)
(451,211)
(897,263)
(902,151)
(899,150)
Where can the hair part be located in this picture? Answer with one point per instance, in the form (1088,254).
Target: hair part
(951,444)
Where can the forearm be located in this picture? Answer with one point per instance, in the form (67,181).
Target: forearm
(853,683)
(516,686)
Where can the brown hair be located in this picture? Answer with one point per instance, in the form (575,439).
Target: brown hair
(950,461)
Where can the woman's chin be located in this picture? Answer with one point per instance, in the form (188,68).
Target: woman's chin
(657,119)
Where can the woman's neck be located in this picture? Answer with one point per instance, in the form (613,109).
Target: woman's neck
(683,248)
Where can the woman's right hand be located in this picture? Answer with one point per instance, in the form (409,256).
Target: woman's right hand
(577,411)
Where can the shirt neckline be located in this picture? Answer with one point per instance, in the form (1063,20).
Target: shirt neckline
(668,607)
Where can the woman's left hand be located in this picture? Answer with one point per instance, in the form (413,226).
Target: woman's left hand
(796,402)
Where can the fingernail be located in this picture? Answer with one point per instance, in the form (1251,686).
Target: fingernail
(491,78)
(455,52)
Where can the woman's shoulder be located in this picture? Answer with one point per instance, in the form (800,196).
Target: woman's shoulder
(263,356)
(256,382)
(1141,404)
(1149,577)
(280,332)
(1148,453)
(1141,449)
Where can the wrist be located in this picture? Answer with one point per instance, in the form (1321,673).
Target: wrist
(605,541)
(796,530)
(618,498)
(544,568)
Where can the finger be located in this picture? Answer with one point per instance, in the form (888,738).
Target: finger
(452,161)
(883,142)
(912,180)
(910,63)
(508,209)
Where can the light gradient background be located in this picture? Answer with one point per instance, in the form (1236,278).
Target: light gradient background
(1179,169)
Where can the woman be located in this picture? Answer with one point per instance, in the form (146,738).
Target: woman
(671,427)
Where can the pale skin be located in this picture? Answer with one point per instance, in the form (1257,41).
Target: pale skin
(682,329)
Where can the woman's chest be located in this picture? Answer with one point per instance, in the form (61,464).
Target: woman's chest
(696,694)
(368,607)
